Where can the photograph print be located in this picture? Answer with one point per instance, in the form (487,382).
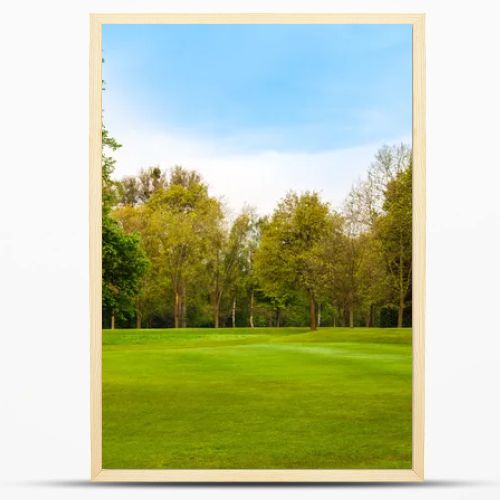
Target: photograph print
(257,247)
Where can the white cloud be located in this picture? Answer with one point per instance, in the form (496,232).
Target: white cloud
(257,178)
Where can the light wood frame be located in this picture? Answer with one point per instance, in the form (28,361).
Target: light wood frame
(416,473)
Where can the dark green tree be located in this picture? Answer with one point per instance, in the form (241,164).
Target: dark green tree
(123,260)
(123,265)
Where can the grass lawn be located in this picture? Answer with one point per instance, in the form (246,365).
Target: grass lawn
(261,398)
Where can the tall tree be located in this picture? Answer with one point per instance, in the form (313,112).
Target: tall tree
(302,262)
(354,225)
(372,277)
(291,245)
(148,301)
(226,266)
(123,259)
(394,229)
(389,162)
(239,255)
(123,266)
(182,220)
(334,262)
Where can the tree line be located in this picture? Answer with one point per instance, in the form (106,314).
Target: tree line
(173,257)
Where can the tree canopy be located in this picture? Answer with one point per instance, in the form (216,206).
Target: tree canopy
(124,262)
(173,255)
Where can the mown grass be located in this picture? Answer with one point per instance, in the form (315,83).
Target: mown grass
(261,398)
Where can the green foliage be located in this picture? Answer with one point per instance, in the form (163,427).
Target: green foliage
(108,166)
(288,259)
(123,265)
(181,224)
(303,264)
(394,228)
(123,260)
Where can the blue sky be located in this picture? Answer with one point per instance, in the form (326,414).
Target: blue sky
(203,95)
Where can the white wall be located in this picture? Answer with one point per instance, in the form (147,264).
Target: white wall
(44,431)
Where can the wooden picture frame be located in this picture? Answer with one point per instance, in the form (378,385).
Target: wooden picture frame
(416,473)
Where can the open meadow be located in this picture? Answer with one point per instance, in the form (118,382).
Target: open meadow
(257,398)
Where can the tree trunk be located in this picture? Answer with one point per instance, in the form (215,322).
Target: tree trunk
(112,321)
(401,285)
(312,311)
(138,320)
(216,312)
(177,310)
(278,316)
(233,312)
(183,309)
(351,316)
(368,316)
(401,309)
(319,315)
(250,319)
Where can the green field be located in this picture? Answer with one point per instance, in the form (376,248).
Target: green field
(261,398)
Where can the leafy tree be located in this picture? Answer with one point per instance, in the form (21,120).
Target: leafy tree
(292,243)
(362,282)
(238,257)
(332,255)
(229,262)
(389,162)
(109,145)
(249,275)
(123,265)
(148,301)
(181,222)
(123,260)
(354,225)
(368,195)
(372,277)
(305,263)
(129,191)
(394,228)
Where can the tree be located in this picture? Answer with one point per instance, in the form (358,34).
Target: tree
(148,300)
(123,265)
(129,191)
(354,225)
(109,145)
(389,162)
(368,194)
(372,277)
(305,263)
(181,222)
(394,229)
(227,265)
(333,256)
(123,260)
(138,189)
(249,275)
(289,255)
(239,256)
(363,280)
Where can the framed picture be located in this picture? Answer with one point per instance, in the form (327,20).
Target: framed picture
(257,247)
